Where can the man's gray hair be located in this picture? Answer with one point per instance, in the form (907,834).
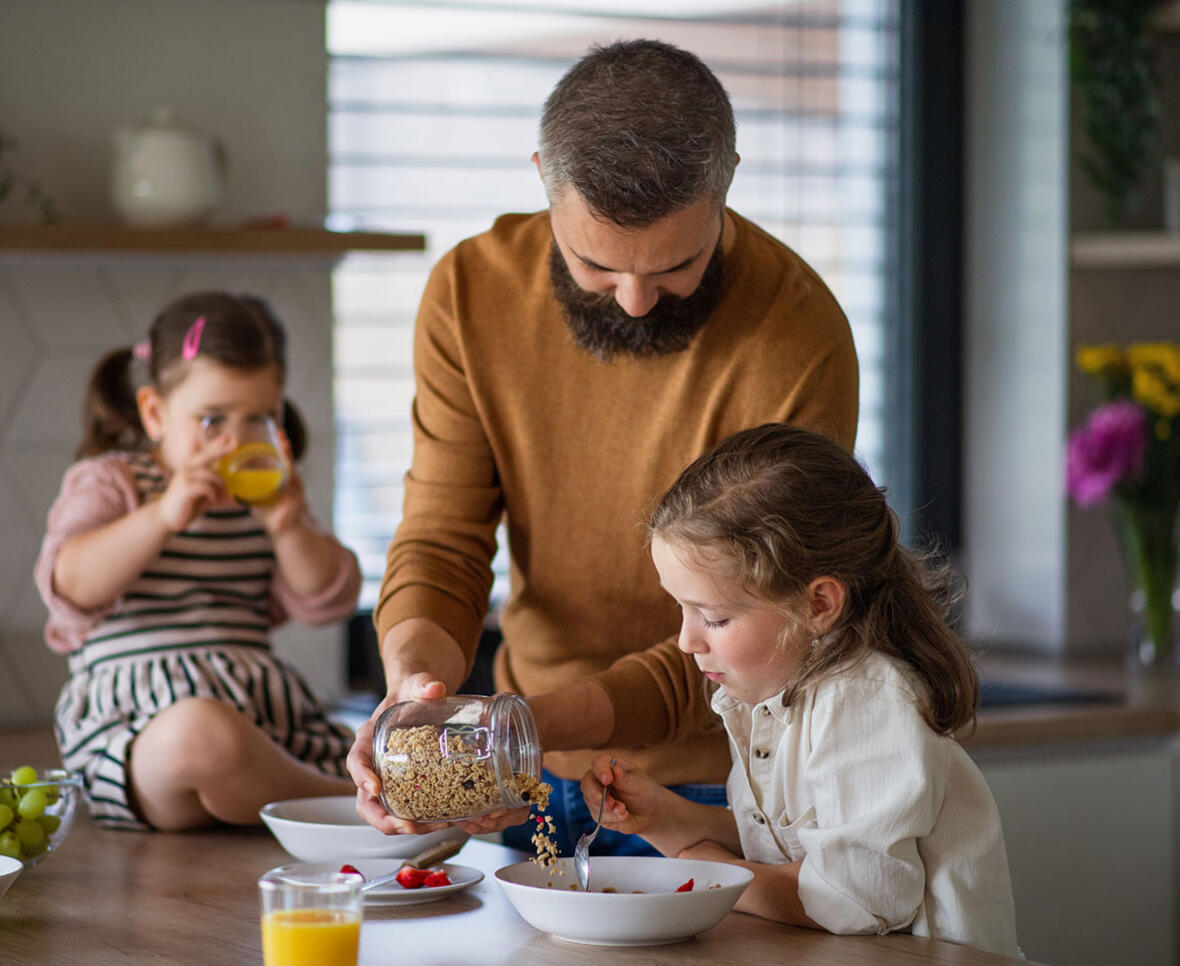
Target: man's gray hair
(641,130)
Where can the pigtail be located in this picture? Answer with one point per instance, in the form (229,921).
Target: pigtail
(110,416)
(295,429)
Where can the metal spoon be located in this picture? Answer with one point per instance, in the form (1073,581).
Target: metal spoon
(426,858)
(582,849)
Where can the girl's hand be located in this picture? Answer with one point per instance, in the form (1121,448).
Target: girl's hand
(193,488)
(635,802)
(286,509)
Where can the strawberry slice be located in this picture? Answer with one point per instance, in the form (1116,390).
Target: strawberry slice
(410,878)
(347,869)
(687,887)
(437,877)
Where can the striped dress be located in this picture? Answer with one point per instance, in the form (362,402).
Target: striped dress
(195,623)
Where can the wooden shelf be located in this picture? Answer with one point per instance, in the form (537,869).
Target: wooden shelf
(206,241)
(1125,249)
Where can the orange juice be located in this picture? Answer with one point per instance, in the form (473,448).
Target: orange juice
(253,473)
(310,937)
(254,486)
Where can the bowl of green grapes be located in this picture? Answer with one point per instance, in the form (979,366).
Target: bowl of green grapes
(37,809)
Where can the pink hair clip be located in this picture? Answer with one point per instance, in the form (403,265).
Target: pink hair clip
(192,340)
(142,350)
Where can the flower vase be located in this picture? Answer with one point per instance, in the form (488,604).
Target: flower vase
(1149,539)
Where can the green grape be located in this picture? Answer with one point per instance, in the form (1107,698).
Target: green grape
(30,833)
(6,816)
(10,844)
(9,797)
(50,823)
(32,850)
(25,775)
(32,803)
(51,794)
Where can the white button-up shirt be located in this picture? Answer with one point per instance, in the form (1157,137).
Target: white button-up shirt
(894,823)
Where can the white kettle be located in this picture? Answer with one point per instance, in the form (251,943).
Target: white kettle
(163,176)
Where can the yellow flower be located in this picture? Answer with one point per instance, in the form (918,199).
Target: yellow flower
(1150,388)
(1164,356)
(1099,359)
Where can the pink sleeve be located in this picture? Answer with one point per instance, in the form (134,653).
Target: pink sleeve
(94,492)
(334,602)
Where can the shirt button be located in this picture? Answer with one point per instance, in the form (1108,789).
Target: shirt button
(759,819)
(765,711)
(761,753)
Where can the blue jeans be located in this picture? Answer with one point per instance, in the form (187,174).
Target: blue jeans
(572,818)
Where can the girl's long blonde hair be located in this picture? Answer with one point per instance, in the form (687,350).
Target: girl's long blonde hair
(785,506)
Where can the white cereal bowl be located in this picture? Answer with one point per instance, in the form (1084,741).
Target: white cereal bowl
(659,914)
(328,829)
(9,870)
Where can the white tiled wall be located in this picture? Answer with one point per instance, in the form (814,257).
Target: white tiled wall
(58,314)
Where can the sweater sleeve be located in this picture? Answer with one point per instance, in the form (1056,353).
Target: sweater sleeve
(878,774)
(658,695)
(335,602)
(439,563)
(94,492)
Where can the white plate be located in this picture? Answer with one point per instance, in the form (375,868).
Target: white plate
(328,829)
(393,894)
(659,914)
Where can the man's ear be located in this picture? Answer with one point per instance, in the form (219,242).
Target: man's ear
(151,411)
(536,159)
(826,597)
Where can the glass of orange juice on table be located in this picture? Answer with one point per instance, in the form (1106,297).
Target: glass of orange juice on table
(256,470)
(310,919)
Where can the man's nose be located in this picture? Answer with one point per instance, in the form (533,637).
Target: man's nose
(636,296)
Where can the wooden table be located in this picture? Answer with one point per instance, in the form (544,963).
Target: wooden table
(115,897)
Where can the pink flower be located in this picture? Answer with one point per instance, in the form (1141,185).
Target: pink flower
(1107,451)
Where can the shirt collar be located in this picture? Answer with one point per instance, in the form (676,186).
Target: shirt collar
(724,704)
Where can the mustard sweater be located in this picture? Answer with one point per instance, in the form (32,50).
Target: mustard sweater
(512,418)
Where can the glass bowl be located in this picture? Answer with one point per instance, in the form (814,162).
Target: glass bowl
(36,816)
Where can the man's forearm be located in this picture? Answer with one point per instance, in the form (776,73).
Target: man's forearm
(574,717)
(420,646)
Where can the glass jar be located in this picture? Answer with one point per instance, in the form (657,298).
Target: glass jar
(446,759)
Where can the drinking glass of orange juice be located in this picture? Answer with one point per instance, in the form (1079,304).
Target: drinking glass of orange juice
(256,471)
(310,919)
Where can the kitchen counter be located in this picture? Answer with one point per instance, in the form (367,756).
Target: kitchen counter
(114,897)
(1088,699)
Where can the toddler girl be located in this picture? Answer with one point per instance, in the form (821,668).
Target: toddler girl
(840,685)
(163,591)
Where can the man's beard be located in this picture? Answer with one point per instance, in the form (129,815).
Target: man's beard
(600,326)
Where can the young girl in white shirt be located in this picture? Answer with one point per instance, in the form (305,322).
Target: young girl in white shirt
(840,684)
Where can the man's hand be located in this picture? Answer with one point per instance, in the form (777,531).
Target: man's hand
(360,759)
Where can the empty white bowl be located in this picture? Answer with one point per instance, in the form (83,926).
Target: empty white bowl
(9,870)
(658,914)
(328,829)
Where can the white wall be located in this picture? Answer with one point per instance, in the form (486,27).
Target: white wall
(250,72)
(253,72)
(1016,351)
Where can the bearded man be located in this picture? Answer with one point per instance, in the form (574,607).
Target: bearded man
(569,364)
